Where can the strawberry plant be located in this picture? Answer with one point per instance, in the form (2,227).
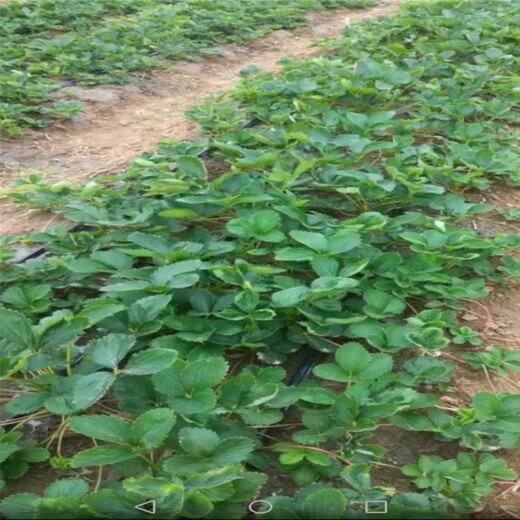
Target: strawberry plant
(164,328)
(464,479)
(498,359)
(16,454)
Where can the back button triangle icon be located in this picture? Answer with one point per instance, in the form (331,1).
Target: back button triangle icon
(147,507)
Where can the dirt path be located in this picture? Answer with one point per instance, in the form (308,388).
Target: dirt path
(120,123)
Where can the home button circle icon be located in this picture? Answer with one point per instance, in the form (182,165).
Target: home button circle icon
(260,507)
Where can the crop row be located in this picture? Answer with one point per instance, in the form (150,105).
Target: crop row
(165,329)
(47,42)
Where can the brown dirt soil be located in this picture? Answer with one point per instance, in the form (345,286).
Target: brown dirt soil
(121,122)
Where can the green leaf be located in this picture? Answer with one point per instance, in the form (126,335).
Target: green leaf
(327,503)
(213,478)
(102,427)
(8,450)
(359,120)
(151,428)
(102,456)
(114,504)
(15,328)
(192,166)
(168,493)
(33,298)
(332,373)
(58,508)
(20,506)
(70,487)
(264,221)
(89,389)
(15,468)
(381,304)
(198,442)
(99,309)
(177,275)
(196,505)
(292,457)
(325,265)
(152,242)
(110,350)
(180,214)
(147,309)
(247,301)
(317,458)
(314,241)
(355,359)
(205,372)
(358,476)
(294,254)
(355,364)
(134,394)
(290,297)
(233,450)
(24,404)
(150,361)
(343,241)
(196,402)
(33,454)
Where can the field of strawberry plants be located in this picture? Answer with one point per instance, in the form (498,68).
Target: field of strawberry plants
(326,217)
(50,43)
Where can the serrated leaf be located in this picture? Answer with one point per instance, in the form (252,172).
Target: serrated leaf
(70,487)
(114,504)
(151,428)
(58,508)
(24,404)
(325,265)
(20,506)
(89,389)
(99,309)
(168,493)
(247,301)
(192,166)
(204,373)
(152,242)
(327,503)
(180,214)
(198,442)
(102,427)
(15,328)
(110,350)
(196,505)
(147,309)
(177,275)
(8,450)
(102,456)
(317,458)
(233,450)
(213,478)
(314,241)
(290,297)
(294,254)
(34,454)
(149,361)
(381,304)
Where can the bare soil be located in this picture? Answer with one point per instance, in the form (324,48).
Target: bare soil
(121,122)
